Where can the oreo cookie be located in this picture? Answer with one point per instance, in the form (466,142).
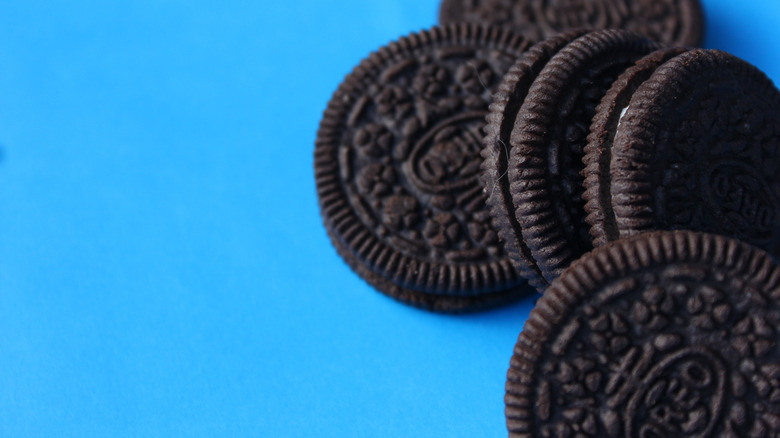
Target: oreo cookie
(397,169)
(545,149)
(598,206)
(665,334)
(697,147)
(674,22)
(506,103)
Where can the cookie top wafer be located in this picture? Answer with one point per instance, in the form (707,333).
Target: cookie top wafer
(547,140)
(506,103)
(667,334)
(397,168)
(598,205)
(698,148)
(674,22)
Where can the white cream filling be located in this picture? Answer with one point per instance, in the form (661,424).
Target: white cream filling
(622,113)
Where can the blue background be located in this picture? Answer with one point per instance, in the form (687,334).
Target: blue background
(163,268)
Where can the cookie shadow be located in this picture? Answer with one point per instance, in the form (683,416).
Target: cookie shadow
(511,316)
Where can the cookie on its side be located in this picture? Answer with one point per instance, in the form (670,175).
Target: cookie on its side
(506,103)
(397,169)
(674,22)
(598,205)
(547,141)
(663,335)
(697,148)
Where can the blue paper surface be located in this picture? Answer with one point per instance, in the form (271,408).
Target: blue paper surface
(163,267)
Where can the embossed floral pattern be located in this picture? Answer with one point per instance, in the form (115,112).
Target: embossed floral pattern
(651,361)
(754,336)
(394,102)
(415,165)
(496,11)
(401,212)
(418,142)
(571,14)
(443,230)
(374,139)
(431,81)
(483,233)
(444,161)
(380,121)
(662,20)
(377,180)
(475,77)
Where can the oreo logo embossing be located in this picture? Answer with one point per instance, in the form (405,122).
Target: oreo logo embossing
(447,158)
(682,396)
(743,201)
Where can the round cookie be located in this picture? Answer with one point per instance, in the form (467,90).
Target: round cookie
(396,163)
(598,206)
(698,148)
(503,111)
(667,334)
(674,22)
(547,140)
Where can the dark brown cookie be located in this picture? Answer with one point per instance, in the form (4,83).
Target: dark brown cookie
(547,140)
(698,148)
(397,169)
(503,111)
(668,334)
(675,22)
(598,205)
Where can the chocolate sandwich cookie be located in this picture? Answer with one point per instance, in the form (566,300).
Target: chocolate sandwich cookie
(668,334)
(602,132)
(503,111)
(697,148)
(397,169)
(547,140)
(674,22)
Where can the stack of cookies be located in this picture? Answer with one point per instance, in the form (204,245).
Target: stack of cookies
(471,164)
(610,136)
